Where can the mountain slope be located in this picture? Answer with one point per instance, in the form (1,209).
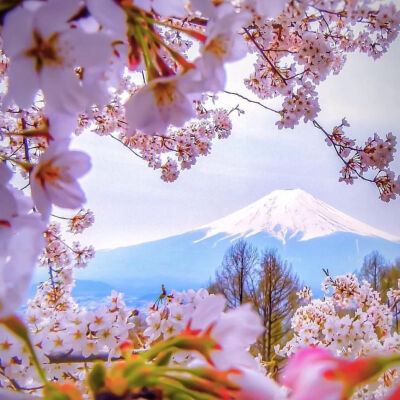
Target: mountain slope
(287,214)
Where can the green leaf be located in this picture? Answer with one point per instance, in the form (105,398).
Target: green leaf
(97,378)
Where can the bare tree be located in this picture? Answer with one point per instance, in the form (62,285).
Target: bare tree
(271,287)
(275,300)
(235,275)
(383,276)
(389,279)
(372,269)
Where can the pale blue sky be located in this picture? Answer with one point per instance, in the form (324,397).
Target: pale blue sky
(132,204)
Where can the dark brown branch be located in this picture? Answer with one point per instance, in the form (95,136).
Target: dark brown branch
(125,145)
(251,101)
(318,126)
(67,358)
(265,56)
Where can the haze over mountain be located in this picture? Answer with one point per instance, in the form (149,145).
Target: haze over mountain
(305,231)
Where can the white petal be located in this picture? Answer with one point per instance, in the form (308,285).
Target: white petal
(24,247)
(52,17)
(40,198)
(17,31)
(145,4)
(141,113)
(8,204)
(61,125)
(5,173)
(87,49)
(62,91)
(109,15)
(23,82)
(208,311)
(256,386)
(144,114)
(77,163)
(208,10)
(173,8)
(270,8)
(95,86)
(56,148)
(66,194)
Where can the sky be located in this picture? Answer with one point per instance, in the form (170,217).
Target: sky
(132,204)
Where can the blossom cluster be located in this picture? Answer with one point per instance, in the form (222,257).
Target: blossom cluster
(175,150)
(308,41)
(58,255)
(61,331)
(59,327)
(352,322)
(201,335)
(375,155)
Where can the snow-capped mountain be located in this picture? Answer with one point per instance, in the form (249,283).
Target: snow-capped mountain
(287,214)
(306,232)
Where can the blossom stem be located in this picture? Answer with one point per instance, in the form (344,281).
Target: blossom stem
(274,68)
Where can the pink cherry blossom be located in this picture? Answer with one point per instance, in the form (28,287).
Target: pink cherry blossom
(304,374)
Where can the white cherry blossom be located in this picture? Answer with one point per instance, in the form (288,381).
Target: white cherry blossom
(54,179)
(163,102)
(224,44)
(21,240)
(44,51)
(172,8)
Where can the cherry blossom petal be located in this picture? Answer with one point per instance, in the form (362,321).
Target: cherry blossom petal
(21,91)
(208,311)
(62,90)
(87,49)
(54,14)
(66,195)
(109,15)
(256,386)
(17,31)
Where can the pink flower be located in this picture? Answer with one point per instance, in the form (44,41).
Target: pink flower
(256,386)
(54,178)
(315,374)
(304,374)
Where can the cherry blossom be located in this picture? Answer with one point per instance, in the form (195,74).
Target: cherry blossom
(162,102)
(45,52)
(351,322)
(53,179)
(223,44)
(314,373)
(20,244)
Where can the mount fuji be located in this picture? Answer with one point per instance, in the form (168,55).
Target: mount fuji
(305,231)
(289,214)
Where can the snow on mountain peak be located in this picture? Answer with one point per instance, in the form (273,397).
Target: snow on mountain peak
(290,213)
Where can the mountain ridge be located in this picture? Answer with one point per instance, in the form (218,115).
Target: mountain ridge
(289,213)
